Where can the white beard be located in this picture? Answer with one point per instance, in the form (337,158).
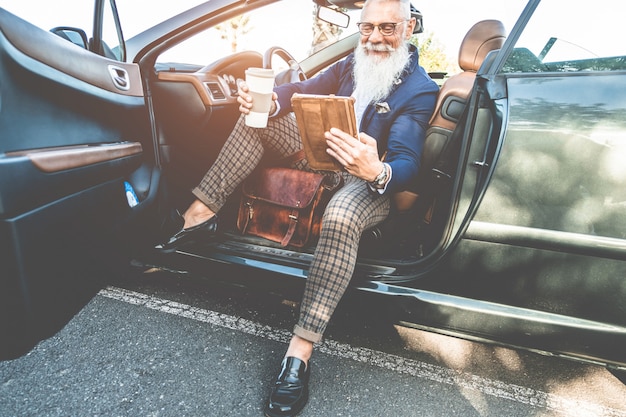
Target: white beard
(375,76)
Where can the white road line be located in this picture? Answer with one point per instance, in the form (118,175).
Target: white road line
(463,380)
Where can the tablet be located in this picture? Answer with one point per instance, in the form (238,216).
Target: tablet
(316,114)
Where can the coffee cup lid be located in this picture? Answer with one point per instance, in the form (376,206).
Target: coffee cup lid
(261,72)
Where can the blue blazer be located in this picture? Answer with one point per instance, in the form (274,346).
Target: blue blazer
(398,123)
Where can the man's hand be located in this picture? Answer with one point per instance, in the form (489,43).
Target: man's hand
(359,156)
(245,100)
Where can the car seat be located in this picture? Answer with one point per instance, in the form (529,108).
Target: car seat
(482,38)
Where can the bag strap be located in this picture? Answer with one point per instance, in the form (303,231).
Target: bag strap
(248,216)
(293,222)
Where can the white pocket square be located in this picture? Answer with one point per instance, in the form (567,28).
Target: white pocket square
(382,107)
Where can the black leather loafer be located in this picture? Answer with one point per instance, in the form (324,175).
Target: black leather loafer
(291,390)
(194,234)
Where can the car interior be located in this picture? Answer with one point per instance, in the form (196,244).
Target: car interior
(416,224)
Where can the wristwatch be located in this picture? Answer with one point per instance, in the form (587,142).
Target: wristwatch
(381,179)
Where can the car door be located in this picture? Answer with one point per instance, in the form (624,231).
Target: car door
(76,171)
(543,245)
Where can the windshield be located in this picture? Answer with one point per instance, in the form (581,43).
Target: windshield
(290,24)
(575,41)
(139,15)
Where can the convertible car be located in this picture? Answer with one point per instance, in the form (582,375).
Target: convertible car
(517,236)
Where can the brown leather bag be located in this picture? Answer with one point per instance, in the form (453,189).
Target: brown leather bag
(285,205)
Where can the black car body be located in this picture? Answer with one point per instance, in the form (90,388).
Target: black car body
(526,246)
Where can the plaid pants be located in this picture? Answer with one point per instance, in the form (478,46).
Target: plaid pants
(351,210)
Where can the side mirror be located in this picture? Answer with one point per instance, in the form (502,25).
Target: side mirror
(75,35)
(333,16)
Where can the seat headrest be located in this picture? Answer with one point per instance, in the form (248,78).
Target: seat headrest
(483,37)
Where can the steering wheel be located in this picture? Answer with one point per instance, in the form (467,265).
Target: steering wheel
(291,75)
(236,63)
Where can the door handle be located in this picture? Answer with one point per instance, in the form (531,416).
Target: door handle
(120,77)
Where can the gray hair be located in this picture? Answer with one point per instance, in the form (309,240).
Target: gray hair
(405,6)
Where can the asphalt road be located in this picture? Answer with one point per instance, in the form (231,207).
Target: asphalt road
(163,344)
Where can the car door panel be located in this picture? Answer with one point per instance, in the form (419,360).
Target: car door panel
(52,173)
(70,140)
(549,236)
(564,187)
(30,43)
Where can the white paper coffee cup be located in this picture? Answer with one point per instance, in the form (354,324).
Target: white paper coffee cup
(260,83)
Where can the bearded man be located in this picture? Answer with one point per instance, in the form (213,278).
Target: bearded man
(394,101)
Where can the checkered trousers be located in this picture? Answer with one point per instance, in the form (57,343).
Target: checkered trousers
(350,211)
(242,152)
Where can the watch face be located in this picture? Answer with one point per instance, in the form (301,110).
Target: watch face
(382,178)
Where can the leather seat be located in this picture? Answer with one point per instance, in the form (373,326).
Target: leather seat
(482,38)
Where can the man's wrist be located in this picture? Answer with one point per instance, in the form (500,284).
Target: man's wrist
(381,179)
(274,108)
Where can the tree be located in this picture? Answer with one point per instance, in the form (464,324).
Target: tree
(233,29)
(432,55)
(323,33)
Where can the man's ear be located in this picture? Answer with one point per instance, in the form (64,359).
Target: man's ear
(410,27)
(418,26)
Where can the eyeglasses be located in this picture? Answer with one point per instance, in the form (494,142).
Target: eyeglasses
(387,28)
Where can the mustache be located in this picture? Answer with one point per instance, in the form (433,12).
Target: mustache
(378,47)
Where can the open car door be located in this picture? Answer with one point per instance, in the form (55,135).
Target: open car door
(74,141)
